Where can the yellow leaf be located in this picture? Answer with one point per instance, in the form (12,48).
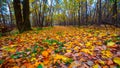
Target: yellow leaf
(88,44)
(61,57)
(33,55)
(92,47)
(110,44)
(117,60)
(101,62)
(33,59)
(107,54)
(68,51)
(87,51)
(76,48)
(96,66)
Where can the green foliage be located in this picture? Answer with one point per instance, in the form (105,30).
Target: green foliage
(1,61)
(59,49)
(44,28)
(118,66)
(17,55)
(59,33)
(40,66)
(69,61)
(107,41)
(89,30)
(16,33)
(0,34)
(38,28)
(117,37)
(52,41)
(35,48)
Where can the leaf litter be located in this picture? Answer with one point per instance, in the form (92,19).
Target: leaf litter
(62,47)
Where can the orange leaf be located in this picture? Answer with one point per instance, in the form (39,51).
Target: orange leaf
(45,54)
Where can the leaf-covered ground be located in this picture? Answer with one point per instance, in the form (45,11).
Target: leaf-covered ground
(62,47)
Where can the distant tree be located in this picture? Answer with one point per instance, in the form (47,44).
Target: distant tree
(3,10)
(10,11)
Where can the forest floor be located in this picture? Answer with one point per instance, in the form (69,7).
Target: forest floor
(62,47)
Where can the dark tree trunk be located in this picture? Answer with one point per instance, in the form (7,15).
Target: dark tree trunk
(79,15)
(51,13)
(39,17)
(26,15)
(18,15)
(23,23)
(82,15)
(114,17)
(86,13)
(3,17)
(100,13)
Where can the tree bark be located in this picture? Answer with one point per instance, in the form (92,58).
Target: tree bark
(23,23)
(18,15)
(11,18)
(79,15)
(114,16)
(100,13)
(86,13)
(26,15)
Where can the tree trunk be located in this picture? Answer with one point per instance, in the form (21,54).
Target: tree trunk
(3,18)
(39,17)
(114,16)
(23,23)
(51,13)
(18,15)
(26,15)
(86,13)
(100,13)
(11,18)
(79,15)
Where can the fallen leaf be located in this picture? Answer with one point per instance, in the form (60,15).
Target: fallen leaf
(45,54)
(117,60)
(110,44)
(109,62)
(96,66)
